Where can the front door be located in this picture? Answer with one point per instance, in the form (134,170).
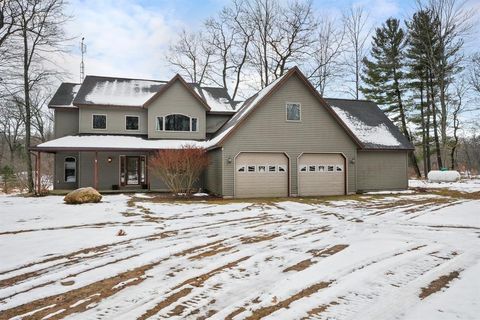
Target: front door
(132,170)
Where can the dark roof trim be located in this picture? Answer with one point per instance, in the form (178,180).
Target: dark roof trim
(290,73)
(165,87)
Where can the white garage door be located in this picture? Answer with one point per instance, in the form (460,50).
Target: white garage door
(321,174)
(261,175)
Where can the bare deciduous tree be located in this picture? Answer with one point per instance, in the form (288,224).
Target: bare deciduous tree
(357,33)
(326,65)
(191,56)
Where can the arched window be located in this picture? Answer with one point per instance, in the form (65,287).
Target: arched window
(70,169)
(179,122)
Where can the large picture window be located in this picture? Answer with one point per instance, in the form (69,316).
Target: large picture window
(99,121)
(70,167)
(178,122)
(293,112)
(131,123)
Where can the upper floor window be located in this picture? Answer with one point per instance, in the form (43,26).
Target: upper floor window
(131,122)
(293,112)
(99,121)
(176,122)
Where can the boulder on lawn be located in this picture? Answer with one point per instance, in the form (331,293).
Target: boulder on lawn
(443,176)
(83,195)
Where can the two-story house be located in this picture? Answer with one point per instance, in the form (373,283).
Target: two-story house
(286,140)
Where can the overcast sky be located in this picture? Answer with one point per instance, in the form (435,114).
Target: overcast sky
(129,38)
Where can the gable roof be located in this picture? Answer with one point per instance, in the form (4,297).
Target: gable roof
(64,95)
(176,78)
(257,99)
(369,124)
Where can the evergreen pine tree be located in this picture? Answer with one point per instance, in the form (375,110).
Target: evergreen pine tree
(384,75)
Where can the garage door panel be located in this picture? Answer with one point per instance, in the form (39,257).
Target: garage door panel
(269,178)
(321,174)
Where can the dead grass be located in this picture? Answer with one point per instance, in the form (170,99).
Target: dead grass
(304,264)
(438,284)
(165,303)
(266,311)
(255,239)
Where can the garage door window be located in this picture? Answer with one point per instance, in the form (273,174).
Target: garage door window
(272,168)
(312,168)
(241,169)
(330,168)
(251,168)
(303,168)
(262,168)
(321,168)
(339,168)
(282,168)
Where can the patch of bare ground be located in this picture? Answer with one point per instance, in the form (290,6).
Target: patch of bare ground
(328,251)
(77,300)
(214,250)
(255,239)
(165,303)
(235,313)
(266,311)
(318,310)
(199,280)
(304,264)
(197,248)
(267,223)
(457,194)
(438,284)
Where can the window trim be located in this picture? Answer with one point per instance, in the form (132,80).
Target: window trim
(106,121)
(286,111)
(134,116)
(64,165)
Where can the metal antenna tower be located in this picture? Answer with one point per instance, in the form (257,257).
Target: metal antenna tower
(83,49)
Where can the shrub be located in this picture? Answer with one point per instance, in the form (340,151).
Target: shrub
(8,178)
(179,169)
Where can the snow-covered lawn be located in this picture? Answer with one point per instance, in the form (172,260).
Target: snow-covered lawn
(376,256)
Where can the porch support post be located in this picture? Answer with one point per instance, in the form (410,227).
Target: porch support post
(95,170)
(38,173)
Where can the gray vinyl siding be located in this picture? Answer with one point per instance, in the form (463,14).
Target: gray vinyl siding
(216,121)
(115,120)
(176,99)
(266,129)
(66,122)
(382,170)
(213,174)
(59,171)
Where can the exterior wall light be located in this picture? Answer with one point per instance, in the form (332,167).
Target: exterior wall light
(352,161)
(229,160)
(109,159)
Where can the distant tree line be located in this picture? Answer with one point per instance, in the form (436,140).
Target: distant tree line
(417,70)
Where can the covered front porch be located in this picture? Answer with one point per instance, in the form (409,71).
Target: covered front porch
(108,163)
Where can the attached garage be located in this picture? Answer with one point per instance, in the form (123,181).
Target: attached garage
(321,174)
(382,170)
(261,175)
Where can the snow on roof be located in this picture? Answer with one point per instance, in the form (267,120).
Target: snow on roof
(99,142)
(217,98)
(379,135)
(116,91)
(369,124)
(64,95)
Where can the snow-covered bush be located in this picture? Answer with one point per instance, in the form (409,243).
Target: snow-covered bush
(443,176)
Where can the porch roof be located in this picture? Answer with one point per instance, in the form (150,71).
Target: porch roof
(112,143)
